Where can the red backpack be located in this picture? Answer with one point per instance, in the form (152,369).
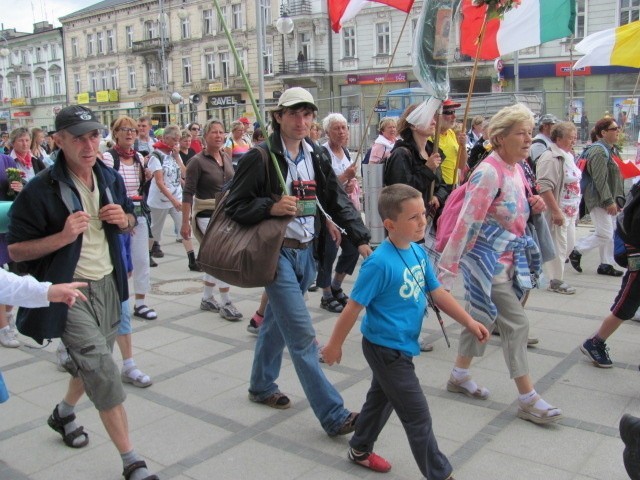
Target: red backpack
(452,208)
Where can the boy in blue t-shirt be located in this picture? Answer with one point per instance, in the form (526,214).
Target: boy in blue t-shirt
(392,286)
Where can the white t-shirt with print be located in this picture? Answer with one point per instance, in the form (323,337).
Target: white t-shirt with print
(171,176)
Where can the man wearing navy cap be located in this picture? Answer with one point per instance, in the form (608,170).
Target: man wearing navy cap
(451,142)
(64,226)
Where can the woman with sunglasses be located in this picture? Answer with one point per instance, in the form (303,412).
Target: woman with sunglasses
(196,144)
(604,184)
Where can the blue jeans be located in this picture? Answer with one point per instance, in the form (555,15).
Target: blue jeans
(287,323)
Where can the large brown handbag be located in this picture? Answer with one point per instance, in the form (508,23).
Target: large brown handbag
(242,255)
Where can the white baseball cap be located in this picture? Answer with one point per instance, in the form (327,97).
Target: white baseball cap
(295,96)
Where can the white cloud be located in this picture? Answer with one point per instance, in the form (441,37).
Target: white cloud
(30,11)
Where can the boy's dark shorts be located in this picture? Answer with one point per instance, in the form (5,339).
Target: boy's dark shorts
(628,299)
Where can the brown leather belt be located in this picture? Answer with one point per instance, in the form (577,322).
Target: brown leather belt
(296,244)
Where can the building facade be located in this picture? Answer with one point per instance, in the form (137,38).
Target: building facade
(131,56)
(32,80)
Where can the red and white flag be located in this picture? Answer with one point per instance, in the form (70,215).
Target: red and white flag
(341,11)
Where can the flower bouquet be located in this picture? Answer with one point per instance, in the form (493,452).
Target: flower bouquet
(14,175)
(497,8)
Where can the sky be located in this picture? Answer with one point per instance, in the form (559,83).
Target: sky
(31,11)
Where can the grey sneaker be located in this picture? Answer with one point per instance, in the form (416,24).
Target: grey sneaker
(8,338)
(425,346)
(230,312)
(210,305)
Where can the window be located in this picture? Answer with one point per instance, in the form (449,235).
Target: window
(42,86)
(128,33)
(104,80)
(304,39)
(186,70)
(267,60)
(629,11)
(349,42)
(53,48)
(111,41)
(93,81)
(581,22)
(91,44)
(236,16)
(100,42)
(113,74)
(77,83)
(185,28)
(74,47)
(210,66)
(131,77)
(382,38)
(26,88)
(207,22)
(26,60)
(13,88)
(38,54)
(224,68)
(266,12)
(150,30)
(223,10)
(56,85)
(153,79)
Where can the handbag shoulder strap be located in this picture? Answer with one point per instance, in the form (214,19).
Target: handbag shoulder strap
(265,160)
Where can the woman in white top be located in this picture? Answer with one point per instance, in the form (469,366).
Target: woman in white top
(165,193)
(382,146)
(333,298)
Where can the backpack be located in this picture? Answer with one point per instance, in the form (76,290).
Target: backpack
(452,208)
(626,237)
(532,161)
(581,163)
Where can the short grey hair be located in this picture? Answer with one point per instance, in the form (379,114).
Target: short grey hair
(331,119)
(172,131)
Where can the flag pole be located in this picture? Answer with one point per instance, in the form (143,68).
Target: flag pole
(472,82)
(366,128)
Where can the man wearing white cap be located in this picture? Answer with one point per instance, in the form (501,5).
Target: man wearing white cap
(286,320)
(64,226)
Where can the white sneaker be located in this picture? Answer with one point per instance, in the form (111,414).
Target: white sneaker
(8,338)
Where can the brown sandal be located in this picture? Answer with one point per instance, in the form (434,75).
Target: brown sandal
(455,386)
(276,400)
(348,426)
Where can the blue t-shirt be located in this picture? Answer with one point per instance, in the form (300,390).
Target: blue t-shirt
(394,300)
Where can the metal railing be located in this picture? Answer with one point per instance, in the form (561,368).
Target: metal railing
(300,67)
(151,45)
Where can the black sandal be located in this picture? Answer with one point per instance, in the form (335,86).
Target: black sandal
(132,467)
(340,296)
(57,422)
(331,304)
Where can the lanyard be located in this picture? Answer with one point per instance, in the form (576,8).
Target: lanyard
(425,292)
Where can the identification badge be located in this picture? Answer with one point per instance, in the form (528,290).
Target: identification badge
(305,192)
(633,262)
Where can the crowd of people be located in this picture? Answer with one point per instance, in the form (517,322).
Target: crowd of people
(91,210)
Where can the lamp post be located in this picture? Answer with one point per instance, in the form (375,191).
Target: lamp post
(261,42)
(284,25)
(162,20)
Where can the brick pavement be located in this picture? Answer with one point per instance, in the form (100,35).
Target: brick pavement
(196,422)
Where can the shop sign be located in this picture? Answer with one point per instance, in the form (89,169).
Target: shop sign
(223,100)
(18,102)
(21,114)
(399,77)
(563,69)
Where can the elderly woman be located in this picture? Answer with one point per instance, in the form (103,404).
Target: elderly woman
(165,192)
(236,146)
(559,187)
(206,176)
(490,246)
(382,146)
(20,139)
(604,186)
(333,298)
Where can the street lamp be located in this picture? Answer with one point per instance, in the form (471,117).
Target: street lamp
(163,18)
(284,25)
(4,53)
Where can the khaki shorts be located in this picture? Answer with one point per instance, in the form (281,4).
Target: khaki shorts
(89,336)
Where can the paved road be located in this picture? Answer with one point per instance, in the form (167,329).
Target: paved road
(196,422)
